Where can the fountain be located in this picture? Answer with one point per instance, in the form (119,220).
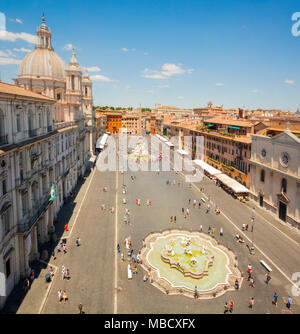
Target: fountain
(180,260)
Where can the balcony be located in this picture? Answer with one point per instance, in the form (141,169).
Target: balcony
(30,221)
(32,133)
(3,140)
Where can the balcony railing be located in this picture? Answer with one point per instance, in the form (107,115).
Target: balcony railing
(62,125)
(32,133)
(29,222)
(3,140)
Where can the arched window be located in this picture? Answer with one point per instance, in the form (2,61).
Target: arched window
(262,176)
(283,185)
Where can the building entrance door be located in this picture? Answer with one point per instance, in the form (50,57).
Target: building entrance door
(282,211)
(261,200)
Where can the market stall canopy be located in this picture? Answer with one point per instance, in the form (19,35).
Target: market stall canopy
(232,184)
(161,138)
(169,144)
(102,141)
(206,167)
(182,152)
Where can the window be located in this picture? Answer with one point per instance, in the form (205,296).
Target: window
(7,267)
(73,82)
(40,121)
(19,123)
(5,219)
(21,175)
(58,96)
(262,176)
(4,190)
(283,185)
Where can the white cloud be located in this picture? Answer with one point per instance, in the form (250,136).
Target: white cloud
(102,78)
(19,21)
(69,47)
(162,86)
(180,97)
(254,91)
(9,61)
(10,53)
(12,37)
(167,70)
(289,82)
(21,50)
(154,76)
(93,69)
(124,49)
(219,84)
(3,54)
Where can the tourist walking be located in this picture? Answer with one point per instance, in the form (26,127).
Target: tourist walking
(251,303)
(81,308)
(194,204)
(66,227)
(208,208)
(118,248)
(209,229)
(64,296)
(268,278)
(221,231)
(63,269)
(289,302)
(226,308)
(252,283)
(77,242)
(275,299)
(59,295)
(231,305)
(201,227)
(196,293)
(187,212)
(174,219)
(199,205)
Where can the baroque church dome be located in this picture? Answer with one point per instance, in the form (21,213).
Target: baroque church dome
(42,62)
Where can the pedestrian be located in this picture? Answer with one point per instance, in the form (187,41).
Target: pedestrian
(247,227)
(226,308)
(64,248)
(251,303)
(63,269)
(118,248)
(189,201)
(59,295)
(66,227)
(231,306)
(194,204)
(182,210)
(51,271)
(249,276)
(249,268)
(64,296)
(213,231)
(289,302)
(174,219)
(58,248)
(187,212)
(81,308)
(268,278)
(150,202)
(208,208)
(77,242)
(252,283)
(199,205)
(221,231)
(171,219)
(236,284)
(26,285)
(209,229)
(201,227)
(53,255)
(31,276)
(275,299)
(196,293)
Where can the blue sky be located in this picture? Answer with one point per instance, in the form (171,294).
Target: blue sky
(173,52)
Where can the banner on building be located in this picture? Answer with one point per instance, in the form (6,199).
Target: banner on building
(52,193)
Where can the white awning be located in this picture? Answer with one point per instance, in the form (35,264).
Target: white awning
(169,144)
(206,167)
(182,152)
(102,141)
(232,184)
(161,138)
